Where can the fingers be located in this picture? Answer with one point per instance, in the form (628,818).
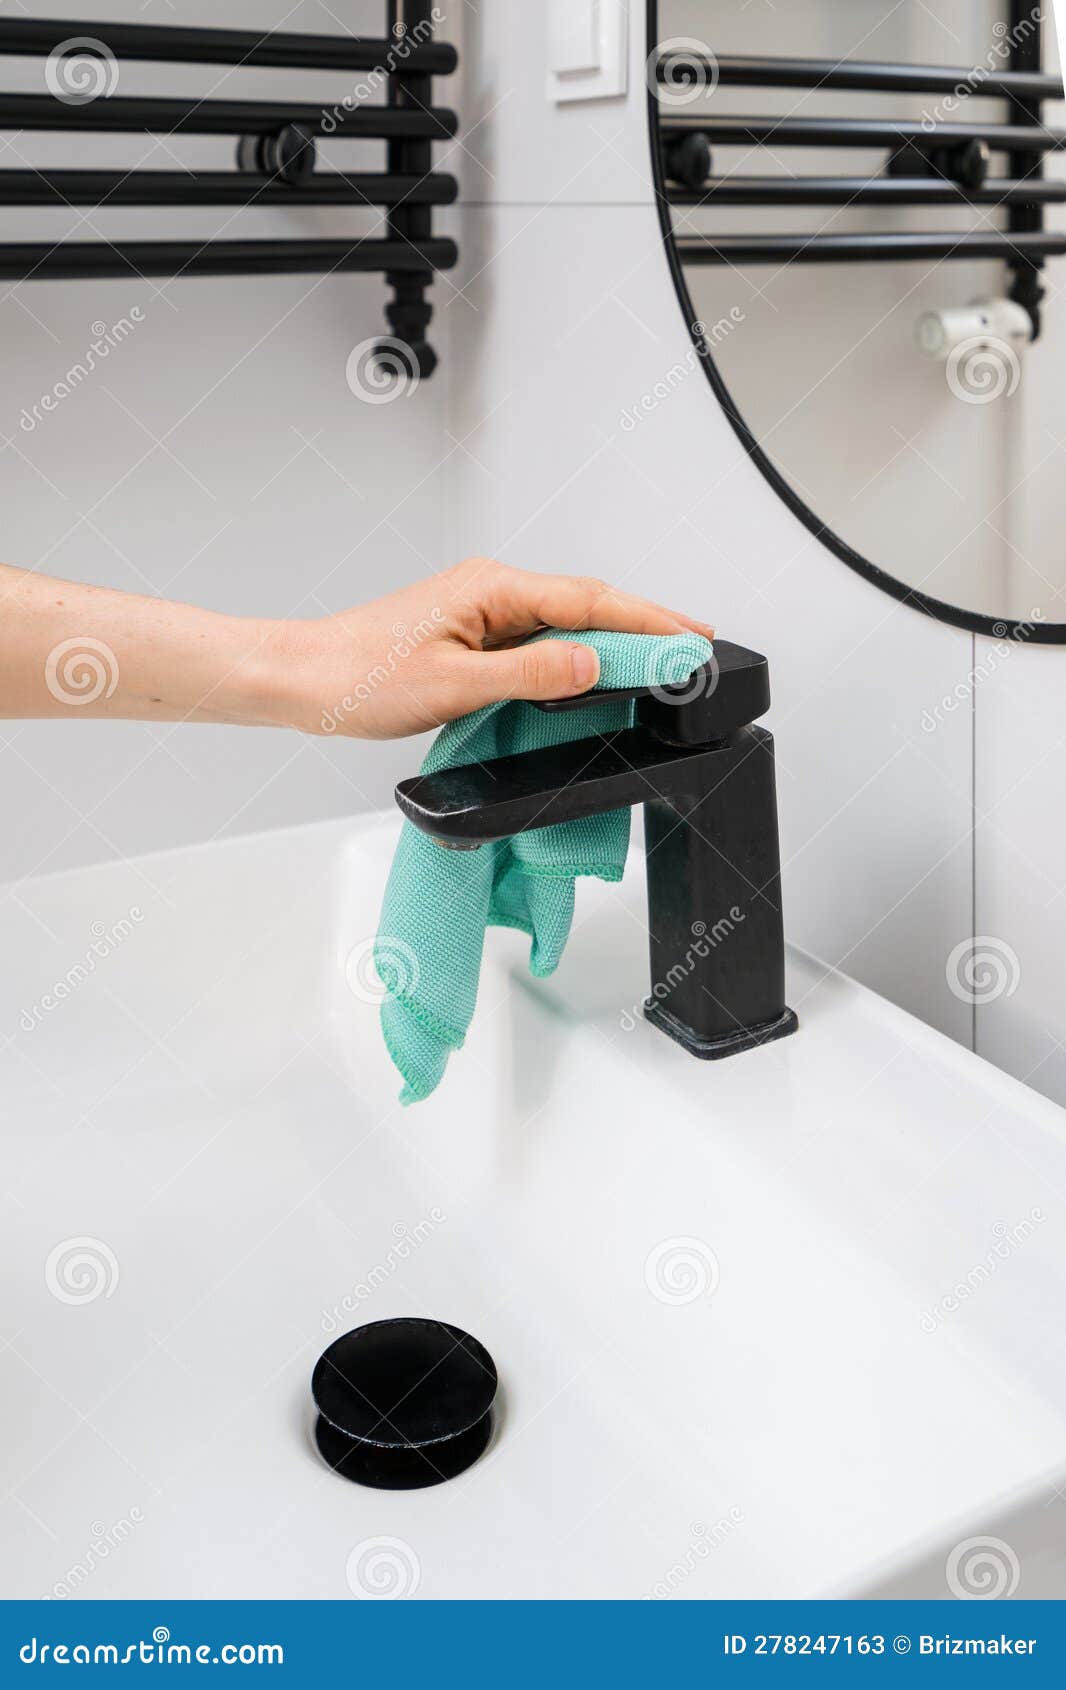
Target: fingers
(581,601)
(517,601)
(548,669)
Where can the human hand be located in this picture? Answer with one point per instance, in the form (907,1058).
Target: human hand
(448,645)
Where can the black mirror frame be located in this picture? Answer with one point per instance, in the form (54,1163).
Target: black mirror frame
(998,628)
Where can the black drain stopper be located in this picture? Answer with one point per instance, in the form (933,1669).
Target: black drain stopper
(403,1403)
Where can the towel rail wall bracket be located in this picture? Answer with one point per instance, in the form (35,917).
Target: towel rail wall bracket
(965,164)
(1026,38)
(409,311)
(276,158)
(289,156)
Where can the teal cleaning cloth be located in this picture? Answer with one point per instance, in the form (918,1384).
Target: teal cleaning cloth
(439,903)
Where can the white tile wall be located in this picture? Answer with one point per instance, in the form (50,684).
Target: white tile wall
(1021,865)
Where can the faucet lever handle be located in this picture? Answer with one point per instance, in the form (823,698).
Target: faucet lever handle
(722,696)
(598,695)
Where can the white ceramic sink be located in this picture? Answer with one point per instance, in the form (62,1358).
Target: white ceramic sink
(714,1292)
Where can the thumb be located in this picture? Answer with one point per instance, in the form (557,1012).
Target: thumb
(542,670)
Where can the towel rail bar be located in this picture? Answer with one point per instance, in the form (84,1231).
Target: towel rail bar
(864,248)
(855,75)
(81,260)
(164,43)
(860,190)
(220,187)
(857,132)
(226,117)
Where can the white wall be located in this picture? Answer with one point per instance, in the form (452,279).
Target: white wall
(1020,771)
(217,456)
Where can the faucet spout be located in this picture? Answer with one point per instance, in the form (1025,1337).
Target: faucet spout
(475,805)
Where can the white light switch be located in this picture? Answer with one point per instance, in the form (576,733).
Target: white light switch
(574,38)
(587,44)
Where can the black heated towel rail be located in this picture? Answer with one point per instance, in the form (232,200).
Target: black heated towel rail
(936,160)
(276,155)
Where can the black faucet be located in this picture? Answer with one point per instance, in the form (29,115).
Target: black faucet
(705,776)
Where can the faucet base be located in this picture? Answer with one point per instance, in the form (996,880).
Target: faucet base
(724,1044)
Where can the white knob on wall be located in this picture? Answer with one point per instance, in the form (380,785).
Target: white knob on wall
(993,321)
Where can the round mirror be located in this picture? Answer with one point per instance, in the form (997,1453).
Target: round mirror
(866,230)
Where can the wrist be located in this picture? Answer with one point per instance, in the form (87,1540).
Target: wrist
(254,672)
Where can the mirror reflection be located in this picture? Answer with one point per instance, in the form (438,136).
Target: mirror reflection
(877,213)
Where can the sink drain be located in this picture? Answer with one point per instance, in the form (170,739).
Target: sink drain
(403,1403)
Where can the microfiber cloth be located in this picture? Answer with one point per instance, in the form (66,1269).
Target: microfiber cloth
(439,902)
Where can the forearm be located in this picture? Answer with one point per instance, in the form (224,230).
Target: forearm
(70,650)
